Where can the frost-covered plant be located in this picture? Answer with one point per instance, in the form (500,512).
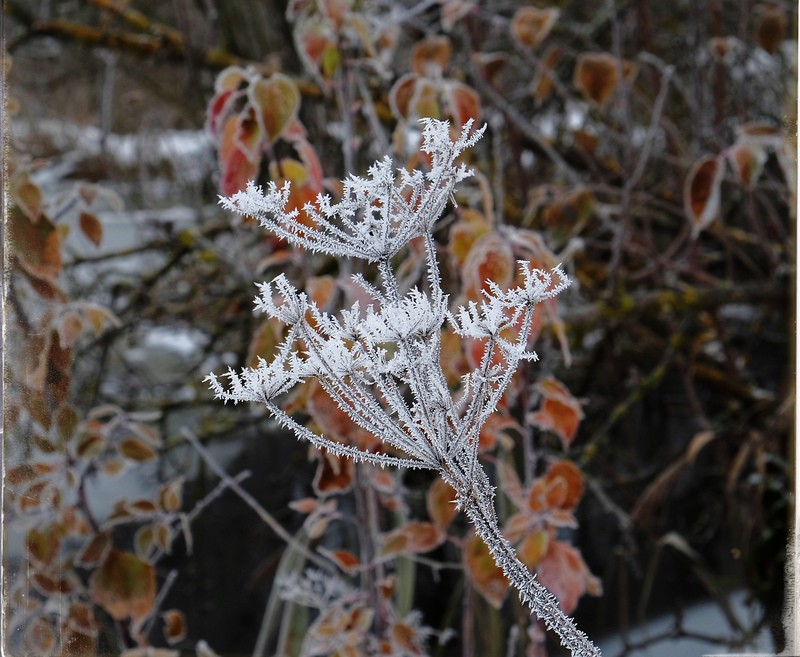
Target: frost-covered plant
(381,364)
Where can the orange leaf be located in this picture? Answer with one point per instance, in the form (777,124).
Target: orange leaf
(335,474)
(490,258)
(430,57)
(701,192)
(485,574)
(124,585)
(413,537)
(425,102)
(560,412)
(439,501)
(530,26)
(277,100)
(533,548)
(345,559)
(563,571)
(91,227)
(174,626)
(570,478)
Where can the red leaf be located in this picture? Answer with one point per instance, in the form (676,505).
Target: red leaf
(490,258)
(401,94)
(701,192)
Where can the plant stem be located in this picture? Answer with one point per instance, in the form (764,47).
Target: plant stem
(475,496)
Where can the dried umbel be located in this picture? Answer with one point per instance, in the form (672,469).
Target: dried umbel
(381,364)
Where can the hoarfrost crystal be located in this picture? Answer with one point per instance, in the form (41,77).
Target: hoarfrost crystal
(381,364)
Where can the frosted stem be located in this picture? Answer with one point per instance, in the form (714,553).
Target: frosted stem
(474,496)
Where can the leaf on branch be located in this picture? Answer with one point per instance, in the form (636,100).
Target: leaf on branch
(530,25)
(701,192)
(124,585)
(486,576)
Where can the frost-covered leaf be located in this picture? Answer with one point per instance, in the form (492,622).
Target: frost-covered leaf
(124,585)
(701,192)
(531,25)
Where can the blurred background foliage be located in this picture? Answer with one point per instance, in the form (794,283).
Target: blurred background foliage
(645,463)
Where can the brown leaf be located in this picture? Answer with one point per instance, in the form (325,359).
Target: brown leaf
(597,76)
(43,545)
(771,27)
(701,192)
(335,475)
(559,412)
(137,450)
(174,626)
(40,637)
(545,75)
(463,102)
(747,159)
(124,585)
(94,551)
(91,227)
(440,502)
(533,547)
(530,25)
(170,496)
(345,559)
(431,56)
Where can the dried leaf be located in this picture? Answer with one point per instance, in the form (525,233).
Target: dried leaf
(462,102)
(530,25)
(559,412)
(40,637)
(701,192)
(485,575)
(431,56)
(345,559)
(439,501)
(170,496)
(489,259)
(597,76)
(411,538)
(544,76)
(771,27)
(335,475)
(124,585)
(94,551)
(43,545)
(533,548)
(174,626)
(563,571)
(137,450)
(91,227)
(747,159)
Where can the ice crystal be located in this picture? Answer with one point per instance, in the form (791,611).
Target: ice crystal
(381,364)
